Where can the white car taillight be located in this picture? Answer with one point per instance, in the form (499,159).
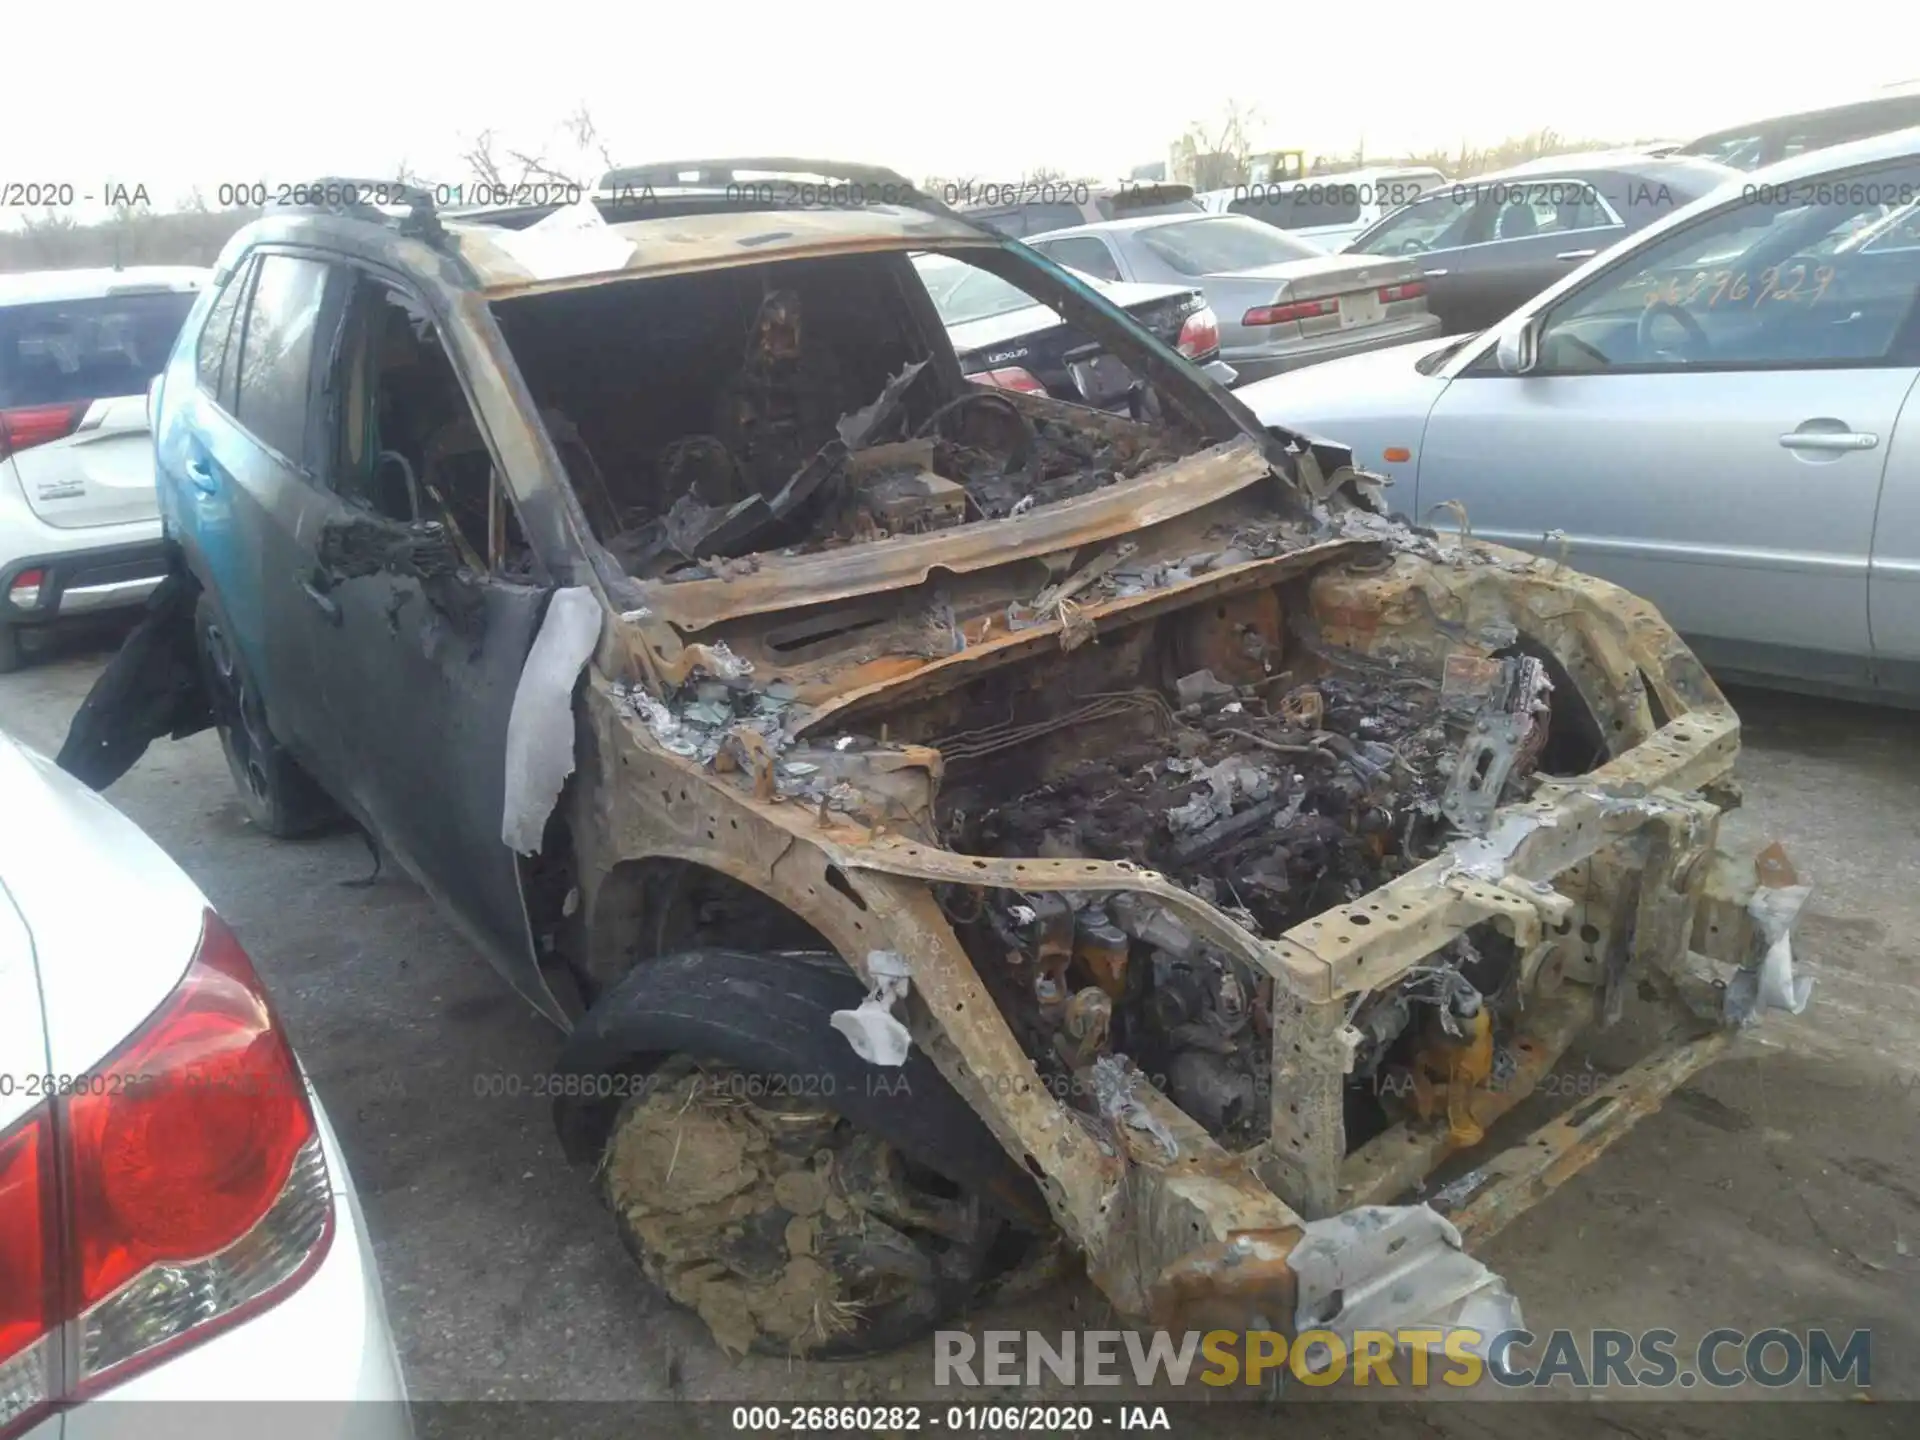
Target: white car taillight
(175,1189)
(1009,377)
(1200,335)
(24,592)
(26,426)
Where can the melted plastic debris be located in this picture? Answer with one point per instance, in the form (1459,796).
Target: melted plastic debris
(871,1028)
(1116,1085)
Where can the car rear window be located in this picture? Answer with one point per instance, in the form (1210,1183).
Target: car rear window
(1223,243)
(1023,220)
(87,349)
(1304,206)
(1136,200)
(963,292)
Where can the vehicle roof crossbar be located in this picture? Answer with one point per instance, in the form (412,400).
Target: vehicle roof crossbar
(753,169)
(365,199)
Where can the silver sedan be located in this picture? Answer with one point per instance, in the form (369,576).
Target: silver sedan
(1721,413)
(1281,303)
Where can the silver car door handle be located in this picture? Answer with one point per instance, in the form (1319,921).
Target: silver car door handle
(1431,273)
(1576,254)
(1829,440)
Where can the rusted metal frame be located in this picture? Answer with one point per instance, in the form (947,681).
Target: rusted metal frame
(1133,1208)
(1651,917)
(1520,1177)
(1634,630)
(947,673)
(1307,1134)
(1400,1157)
(1375,939)
(781,583)
(895,856)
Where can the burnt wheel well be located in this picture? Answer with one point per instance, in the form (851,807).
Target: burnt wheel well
(663,905)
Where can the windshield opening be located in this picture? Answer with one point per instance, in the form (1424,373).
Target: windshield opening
(803,405)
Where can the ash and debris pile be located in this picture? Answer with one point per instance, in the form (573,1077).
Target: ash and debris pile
(978,457)
(1272,808)
(721,718)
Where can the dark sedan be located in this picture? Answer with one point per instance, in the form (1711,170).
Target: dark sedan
(1490,244)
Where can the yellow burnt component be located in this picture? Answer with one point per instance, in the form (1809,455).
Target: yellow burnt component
(1449,1071)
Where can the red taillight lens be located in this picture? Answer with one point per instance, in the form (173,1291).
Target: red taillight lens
(1009,377)
(201,1137)
(25,589)
(1293,310)
(28,1307)
(31,425)
(1405,290)
(196,1192)
(1200,335)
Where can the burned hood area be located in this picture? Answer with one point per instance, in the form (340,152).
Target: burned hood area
(1092,705)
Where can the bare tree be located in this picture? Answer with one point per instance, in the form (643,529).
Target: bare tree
(1217,155)
(480,160)
(587,138)
(575,152)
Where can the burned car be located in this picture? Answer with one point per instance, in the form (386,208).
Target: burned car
(951,826)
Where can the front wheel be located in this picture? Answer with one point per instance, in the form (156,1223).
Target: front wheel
(789,1230)
(277,794)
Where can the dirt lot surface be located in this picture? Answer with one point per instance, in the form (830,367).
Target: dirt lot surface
(1782,1187)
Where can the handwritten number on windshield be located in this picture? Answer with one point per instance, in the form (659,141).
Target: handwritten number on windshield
(1734,287)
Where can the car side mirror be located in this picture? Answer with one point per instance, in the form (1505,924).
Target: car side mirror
(1518,348)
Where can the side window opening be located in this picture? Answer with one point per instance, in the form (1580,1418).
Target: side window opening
(228,379)
(406,445)
(211,349)
(275,382)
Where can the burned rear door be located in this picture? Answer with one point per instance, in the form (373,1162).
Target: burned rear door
(421,646)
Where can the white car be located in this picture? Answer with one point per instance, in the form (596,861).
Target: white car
(1721,414)
(79,520)
(176,1222)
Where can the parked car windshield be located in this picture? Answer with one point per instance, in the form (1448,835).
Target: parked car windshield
(87,349)
(1781,284)
(1221,244)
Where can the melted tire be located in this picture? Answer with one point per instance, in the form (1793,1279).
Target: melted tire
(785,1228)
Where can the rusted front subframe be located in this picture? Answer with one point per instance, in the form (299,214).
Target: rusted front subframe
(1171,1222)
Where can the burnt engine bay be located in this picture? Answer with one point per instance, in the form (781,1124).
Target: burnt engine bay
(1271,801)
(1309,777)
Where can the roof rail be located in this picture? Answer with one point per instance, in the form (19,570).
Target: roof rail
(369,200)
(886,186)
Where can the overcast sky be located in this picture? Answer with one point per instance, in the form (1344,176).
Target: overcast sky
(200,92)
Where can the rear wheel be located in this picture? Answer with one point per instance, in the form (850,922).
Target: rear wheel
(278,795)
(10,649)
(786,1228)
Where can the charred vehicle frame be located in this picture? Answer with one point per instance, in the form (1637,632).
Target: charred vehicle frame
(941,819)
